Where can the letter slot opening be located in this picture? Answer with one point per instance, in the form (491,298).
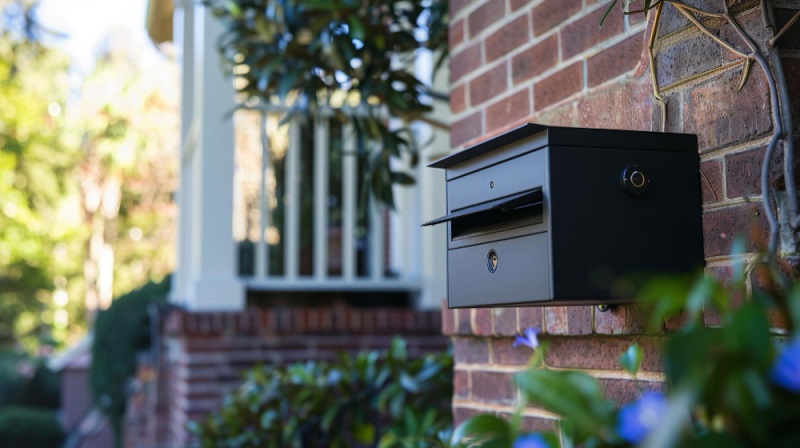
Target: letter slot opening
(517,210)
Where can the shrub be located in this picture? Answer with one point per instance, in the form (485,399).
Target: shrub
(29,427)
(119,333)
(372,399)
(26,381)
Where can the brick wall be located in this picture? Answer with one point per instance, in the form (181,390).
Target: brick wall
(547,61)
(204,356)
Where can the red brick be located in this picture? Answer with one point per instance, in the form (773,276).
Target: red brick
(635,19)
(470,350)
(614,61)
(507,38)
(493,388)
(550,13)
(601,352)
(457,5)
(627,391)
(535,60)
(690,58)
(530,317)
(621,319)
(537,424)
(456,34)
(482,323)
(558,86)
(753,24)
(711,181)
(448,320)
(555,320)
(720,227)
(504,353)
(720,115)
(579,320)
(586,32)
(465,61)
(485,15)
(464,321)
(672,20)
(505,321)
(461,383)
(489,85)
(508,111)
(465,129)
(460,414)
(743,171)
(458,99)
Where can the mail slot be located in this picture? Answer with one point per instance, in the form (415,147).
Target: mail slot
(545,215)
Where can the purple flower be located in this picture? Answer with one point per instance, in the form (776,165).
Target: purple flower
(529,339)
(637,419)
(530,441)
(786,370)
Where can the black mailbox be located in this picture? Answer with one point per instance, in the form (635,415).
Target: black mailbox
(553,215)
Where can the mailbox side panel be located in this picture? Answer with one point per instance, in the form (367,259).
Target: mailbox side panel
(604,237)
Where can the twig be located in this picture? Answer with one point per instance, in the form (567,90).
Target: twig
(684,9)
(784,29)
(650,44)
(765,15)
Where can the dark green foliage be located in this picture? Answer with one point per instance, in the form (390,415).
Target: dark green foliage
(119,333)
(26,381)
(370,400)
(351,58)
(29,428)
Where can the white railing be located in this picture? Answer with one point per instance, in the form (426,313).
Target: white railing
(299,220)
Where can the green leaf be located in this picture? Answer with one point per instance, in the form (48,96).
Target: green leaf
(610,7)
(484,428)
(631,360)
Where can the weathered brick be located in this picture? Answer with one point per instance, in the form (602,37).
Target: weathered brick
(470,350)
(448,320)
(465,61)
(464,130)
(586,32)
(752,24)
(672,20)
(550,13)
(614,61)
(689,58)
(493,387)
(530,317)
(720,115)
(517,4)
(621,319)
(633,97)
(711,181)
(507,38)
(489,85)
(558,86)
(485,15)
(602,352)
(504,353)
(482,322)
(508,111)
(535,60)
(460,414)
(555,320)
(461,383)
(505,321)
(456,34)
(743,171)
(720,227)
(579,320)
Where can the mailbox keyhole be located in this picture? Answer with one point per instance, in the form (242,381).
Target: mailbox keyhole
(492,261)
(491,184)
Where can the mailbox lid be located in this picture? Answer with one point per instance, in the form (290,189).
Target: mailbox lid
(522,273)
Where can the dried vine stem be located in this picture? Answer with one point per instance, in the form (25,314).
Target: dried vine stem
(779,101)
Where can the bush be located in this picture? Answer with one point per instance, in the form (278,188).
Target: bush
(26,381)
(30,428)
(372,399)
(119,333)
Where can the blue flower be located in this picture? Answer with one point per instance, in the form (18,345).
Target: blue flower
(786,371)
(530,441)
(637,419)
(529,339)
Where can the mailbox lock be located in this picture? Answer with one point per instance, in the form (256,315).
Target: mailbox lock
(633,180)
(492,261)
(491,184)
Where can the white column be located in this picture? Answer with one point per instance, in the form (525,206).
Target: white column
(213,283)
